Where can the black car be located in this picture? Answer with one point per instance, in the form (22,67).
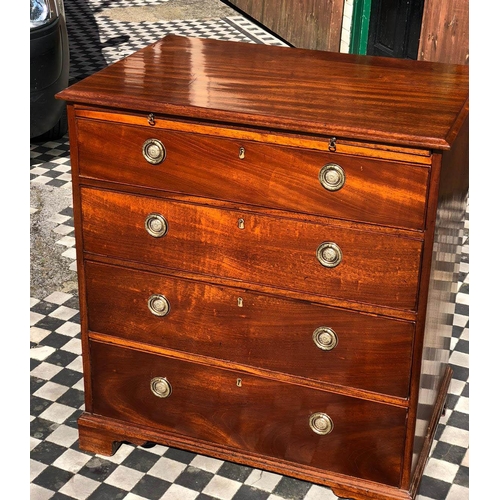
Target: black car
(49,69)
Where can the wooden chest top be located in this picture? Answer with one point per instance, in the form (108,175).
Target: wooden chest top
(354,98)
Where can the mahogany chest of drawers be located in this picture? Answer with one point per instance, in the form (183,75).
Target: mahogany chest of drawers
(266,242)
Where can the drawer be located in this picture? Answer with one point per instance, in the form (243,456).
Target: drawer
(245,413)
(375,191)
(375,268)
(321,343)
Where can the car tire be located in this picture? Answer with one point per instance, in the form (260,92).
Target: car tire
(56,132)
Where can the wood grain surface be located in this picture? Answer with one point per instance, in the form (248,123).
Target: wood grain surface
(256,415)
(413,103)
(373,353)
(268,175)
(375,268)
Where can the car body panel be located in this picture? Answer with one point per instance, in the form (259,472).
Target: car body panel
(49,74)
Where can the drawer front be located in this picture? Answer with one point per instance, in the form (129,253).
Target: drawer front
(375,268)
(316,342)
(248,413)
(375,191)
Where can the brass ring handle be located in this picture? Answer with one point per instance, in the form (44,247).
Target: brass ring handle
(332,177)
(160,387)
(325,338)
(154,151)
(156,225)
(321,423)
(158,305)
(329,254)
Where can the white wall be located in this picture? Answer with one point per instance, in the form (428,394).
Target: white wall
(346,26)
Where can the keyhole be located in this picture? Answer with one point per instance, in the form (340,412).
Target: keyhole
(238,382)
(241,223)
(241,153)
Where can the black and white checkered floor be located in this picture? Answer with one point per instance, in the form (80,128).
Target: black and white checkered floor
(59,470)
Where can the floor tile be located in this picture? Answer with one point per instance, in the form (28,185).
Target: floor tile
(57,412)
(72,461)
(167,469)
(51,391)
(263,480)
(39,493)
(36,468)
(140,460)
(80,488)
(64,436)
(206,463)
(151,487)
(221,488)
(178,492)
(250,493)
(458,437)
(320,493)
(194,479)
(444,471)
(292,489)
(124,477)
(458,492)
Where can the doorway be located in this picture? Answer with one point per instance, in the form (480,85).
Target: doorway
(389,28)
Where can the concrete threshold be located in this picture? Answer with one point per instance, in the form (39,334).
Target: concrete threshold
(170,10)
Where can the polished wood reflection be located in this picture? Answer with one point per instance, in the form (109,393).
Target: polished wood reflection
(356,97)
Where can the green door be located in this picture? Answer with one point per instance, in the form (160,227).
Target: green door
(359,26)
